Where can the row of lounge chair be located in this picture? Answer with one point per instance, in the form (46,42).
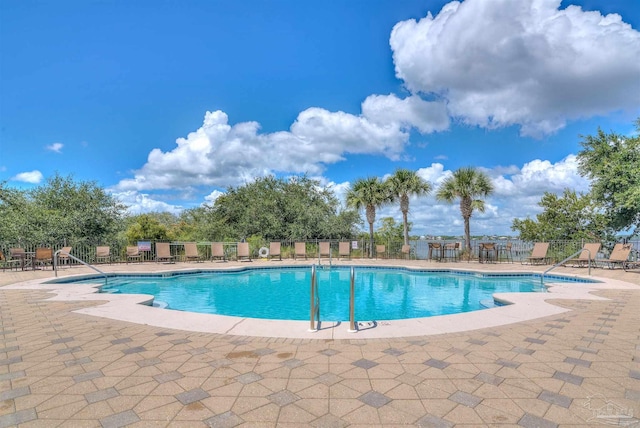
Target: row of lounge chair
(40,258)
(163,253)
(619,256)
(274,251)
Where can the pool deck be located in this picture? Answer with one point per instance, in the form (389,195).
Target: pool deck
(570,358)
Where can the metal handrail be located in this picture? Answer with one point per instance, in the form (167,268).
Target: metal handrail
(55,263)
(562,262)
(315,301)
(352,299)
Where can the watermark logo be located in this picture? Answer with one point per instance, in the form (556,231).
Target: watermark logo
(606,412)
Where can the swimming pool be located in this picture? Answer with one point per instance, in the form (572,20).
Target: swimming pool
(284,293)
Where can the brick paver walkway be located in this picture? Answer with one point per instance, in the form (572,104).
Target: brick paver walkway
(59,368)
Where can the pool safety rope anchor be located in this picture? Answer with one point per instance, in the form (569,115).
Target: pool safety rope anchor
(263,252)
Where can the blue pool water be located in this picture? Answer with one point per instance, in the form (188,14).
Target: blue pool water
(284,293)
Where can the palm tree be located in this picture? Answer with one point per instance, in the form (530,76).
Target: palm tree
(368,193)
(402,184)
(468,185)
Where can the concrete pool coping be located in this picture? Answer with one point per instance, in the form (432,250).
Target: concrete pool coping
(136,309)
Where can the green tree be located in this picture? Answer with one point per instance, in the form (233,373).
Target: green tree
(16,214)
(612,163)
(390,231)
(146,226)
(403,184)
(274,208)
(60,210)
(468,185)
(572,217)
(368,193)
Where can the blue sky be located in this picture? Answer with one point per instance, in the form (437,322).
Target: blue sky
(167,103)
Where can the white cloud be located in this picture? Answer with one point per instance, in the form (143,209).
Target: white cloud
(55,147)
(211,197)
(413,111)
(33,177)
(140,203)
(219,154)
(539,176)
(340,191)
(502,62)
(434,174)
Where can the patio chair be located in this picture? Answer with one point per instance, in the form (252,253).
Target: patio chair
(217,251)
(381,251)
(619,256)
(9,263)
(587,256)
(191,252)
(436,251)
(487,251)
(405,251)
(274,250)
(243,251)
(344,250)
(300,250)
(43,257)
(63,256)
(505,251)
(133,254)
(103,254)
(163,253)
(324,250)
(19,254)
(451,251)
(632,264)
(538,254)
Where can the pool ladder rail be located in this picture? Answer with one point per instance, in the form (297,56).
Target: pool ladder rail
(315,302)
(56,263)
(314,318)
(566,260)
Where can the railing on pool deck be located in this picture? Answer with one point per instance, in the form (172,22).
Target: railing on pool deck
(564,261)
(315,301)
(55,263)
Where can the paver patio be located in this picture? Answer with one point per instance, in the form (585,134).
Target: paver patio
(61,368)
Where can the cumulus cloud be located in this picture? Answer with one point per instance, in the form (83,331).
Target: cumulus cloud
(55,147)
(539,176)
(525,63)
(140,203)
(220,154)
(33,177)
(211,197)
(413,111)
